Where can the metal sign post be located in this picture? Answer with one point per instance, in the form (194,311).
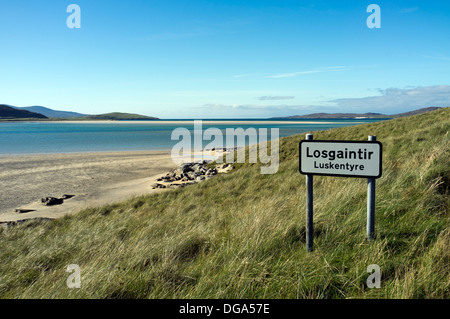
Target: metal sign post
(309,207)
(371,202)
(340,158)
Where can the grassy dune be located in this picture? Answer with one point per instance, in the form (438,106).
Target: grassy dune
(242,235)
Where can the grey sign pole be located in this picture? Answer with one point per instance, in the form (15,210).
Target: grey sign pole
(371,203)
(309,208)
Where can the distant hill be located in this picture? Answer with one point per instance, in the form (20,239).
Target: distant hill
(49,112)
(335,116)
(118,116)
(40,112)
(7,113)
(419,111)
(357,115)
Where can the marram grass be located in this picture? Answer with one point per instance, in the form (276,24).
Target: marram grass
(242,235)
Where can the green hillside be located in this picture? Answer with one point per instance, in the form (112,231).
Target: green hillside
(118,116)
(242,234)
(9,113)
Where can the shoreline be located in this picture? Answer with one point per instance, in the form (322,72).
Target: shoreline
(15,155)
(191,122)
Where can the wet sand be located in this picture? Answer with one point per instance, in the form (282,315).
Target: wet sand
(94,179)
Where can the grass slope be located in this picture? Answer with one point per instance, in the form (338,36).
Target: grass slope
(241,235)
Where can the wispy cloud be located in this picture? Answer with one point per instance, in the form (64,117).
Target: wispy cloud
(318,70)
(237,110)
(335,68)
(275,98)
(399,99)
(289,75)
(267,107)
(389,101)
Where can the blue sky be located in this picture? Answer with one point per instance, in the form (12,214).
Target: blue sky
(225,59)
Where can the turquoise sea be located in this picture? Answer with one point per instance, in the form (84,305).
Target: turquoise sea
(60,137)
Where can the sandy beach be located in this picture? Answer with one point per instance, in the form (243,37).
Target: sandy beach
(94,179)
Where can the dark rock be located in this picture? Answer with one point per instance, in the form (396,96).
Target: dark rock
(23,211)
(167,179)
(50,201)
(183,168)
(191,175)
(157,185)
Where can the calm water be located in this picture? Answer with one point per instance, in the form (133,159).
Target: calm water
(47,137)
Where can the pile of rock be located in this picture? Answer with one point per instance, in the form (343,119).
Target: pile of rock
(191,173)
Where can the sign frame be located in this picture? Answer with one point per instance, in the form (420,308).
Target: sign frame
(380,163)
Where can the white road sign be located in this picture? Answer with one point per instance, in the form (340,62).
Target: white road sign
(341,158)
